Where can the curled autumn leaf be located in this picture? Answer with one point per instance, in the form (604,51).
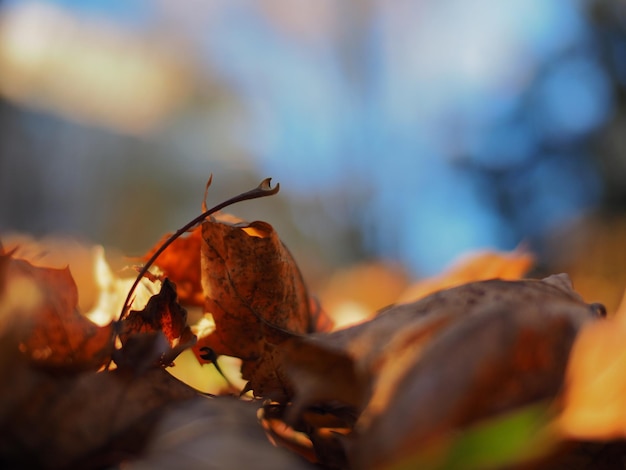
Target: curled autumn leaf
(162,313)
(257,297)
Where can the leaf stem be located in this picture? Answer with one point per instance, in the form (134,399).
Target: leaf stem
(262,190)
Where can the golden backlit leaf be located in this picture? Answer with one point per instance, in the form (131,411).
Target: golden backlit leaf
(478,266)
(54,334)
(113,289)
(59,252)
(620,313)
(594,404)
(353,294)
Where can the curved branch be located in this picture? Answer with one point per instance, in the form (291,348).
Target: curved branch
(262,190)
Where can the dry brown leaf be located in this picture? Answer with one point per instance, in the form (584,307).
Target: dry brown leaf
(444,361)
(56,411)
(474,267)
(368,343)
(161,314)
(53,332)
(257,297)
(508,355)
(181,264)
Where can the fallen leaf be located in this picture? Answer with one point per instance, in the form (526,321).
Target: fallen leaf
(596,382)
(506,356)
(163,314)
(620,313)
(594,406)
(369,342)
(57,411)
(180,262)
(420,369)
(53,332)
(257,298)
(84,420)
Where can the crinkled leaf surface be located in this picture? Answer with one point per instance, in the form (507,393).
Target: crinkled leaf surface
(163,314)
(257,297)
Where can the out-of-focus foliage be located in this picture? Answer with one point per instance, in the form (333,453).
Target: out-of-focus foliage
(404,130)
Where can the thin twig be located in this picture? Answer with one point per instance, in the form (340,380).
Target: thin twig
(262,190)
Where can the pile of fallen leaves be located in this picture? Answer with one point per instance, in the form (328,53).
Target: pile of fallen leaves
(473,369)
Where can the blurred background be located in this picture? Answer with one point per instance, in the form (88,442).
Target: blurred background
(411,131)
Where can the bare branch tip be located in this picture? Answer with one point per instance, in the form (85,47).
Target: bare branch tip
(266,186)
